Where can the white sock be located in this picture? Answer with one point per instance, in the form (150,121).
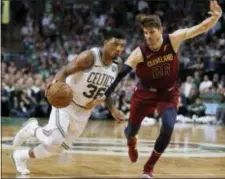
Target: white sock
(40,151)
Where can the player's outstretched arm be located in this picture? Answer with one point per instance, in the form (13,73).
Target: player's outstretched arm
(118,115)
(134,58)
(83,61)
(183,34)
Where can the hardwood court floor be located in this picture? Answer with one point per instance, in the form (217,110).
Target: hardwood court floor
(183,159)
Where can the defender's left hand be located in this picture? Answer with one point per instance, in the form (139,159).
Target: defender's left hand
(215,9)
(95,102)
(119,116)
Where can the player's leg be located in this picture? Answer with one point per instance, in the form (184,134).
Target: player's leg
(168,121)
(131,132)
(138,111)
(51,137)
(21,156)
(26,131)
(134,122)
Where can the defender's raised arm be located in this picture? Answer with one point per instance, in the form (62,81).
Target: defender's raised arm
(131,63)
(183,34)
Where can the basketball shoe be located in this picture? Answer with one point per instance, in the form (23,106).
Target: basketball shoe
(25,132)
(132,149)
(148,173)
(20,162)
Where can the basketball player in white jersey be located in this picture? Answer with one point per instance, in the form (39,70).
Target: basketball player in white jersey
(89,75)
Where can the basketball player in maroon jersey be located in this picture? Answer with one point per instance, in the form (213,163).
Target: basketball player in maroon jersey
(156,65)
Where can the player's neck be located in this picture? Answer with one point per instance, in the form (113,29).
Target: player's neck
(158,46)
(106,58)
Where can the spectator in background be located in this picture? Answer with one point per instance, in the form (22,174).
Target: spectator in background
(215,80)
(205,84)
(212,64)
(197,79)
(184,59)
(199,64)
(192,96)
(197,109)
(100,112)
(143,6)
(5,110)
(221,88)
(23,93)
(222,40)
(220,112)
(211,98)
(187,86)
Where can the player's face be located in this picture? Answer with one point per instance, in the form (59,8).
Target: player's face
(115,46)
(153,36)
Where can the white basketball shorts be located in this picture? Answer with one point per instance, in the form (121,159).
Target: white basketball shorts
(70,121)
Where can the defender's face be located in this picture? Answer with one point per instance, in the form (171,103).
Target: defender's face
(115,46)
(152,35)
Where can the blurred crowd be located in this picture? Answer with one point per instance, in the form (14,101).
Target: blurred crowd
(50,35)
(22,92)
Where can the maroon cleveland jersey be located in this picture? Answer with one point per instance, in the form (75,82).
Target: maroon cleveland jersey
(160,68)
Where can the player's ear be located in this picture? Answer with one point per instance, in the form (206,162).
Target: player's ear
(161,29)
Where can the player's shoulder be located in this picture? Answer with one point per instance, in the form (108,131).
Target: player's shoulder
(85,59)
(87,54)
(96,52)
(170,37)
(139,52)
(94,49)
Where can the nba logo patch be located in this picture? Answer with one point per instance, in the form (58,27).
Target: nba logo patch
(113,68)
(165,48)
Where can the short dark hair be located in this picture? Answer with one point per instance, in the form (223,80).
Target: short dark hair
(108,34)
(151,21)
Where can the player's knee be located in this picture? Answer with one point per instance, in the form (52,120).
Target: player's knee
(168,128)
(168,120)
(54,149)
(131,130)
(129,133)
(56,139)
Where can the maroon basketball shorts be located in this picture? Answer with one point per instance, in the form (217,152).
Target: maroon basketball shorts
(144,102)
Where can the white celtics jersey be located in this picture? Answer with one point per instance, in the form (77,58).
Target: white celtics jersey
(93,82)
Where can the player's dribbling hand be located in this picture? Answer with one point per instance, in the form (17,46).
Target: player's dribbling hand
(119,116)
(215,9)
(48,86)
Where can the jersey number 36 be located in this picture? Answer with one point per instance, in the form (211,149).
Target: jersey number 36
(94,92)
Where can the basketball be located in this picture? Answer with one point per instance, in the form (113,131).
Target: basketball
(59,94)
